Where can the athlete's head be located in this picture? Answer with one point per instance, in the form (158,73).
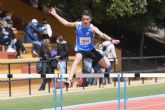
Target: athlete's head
(86,17)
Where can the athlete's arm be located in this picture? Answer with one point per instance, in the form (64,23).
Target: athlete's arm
(62,20)
(104,36)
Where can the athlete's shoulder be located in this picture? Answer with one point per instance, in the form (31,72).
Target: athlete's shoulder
(94,28)
(78,23)
(91,25)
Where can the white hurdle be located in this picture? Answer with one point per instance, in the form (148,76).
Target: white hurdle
(96,75)
(152,75)
(31,76)
(115,75)
(84,75)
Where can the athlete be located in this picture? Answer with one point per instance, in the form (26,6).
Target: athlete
(85,32)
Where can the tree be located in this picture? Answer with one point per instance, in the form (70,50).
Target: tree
(128,15)
(122,8)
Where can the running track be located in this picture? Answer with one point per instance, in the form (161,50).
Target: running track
(142,103)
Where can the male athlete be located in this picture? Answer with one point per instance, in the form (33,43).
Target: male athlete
(84,47)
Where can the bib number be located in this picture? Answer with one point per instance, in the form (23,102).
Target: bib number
(85,40)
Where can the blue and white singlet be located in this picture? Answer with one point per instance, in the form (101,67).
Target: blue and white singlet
(84,38)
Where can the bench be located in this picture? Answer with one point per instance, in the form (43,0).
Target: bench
(7,55)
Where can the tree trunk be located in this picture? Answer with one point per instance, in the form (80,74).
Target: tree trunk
(141,45)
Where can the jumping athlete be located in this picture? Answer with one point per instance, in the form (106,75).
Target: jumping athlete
(85,32)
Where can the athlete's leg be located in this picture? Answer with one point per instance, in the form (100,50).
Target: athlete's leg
(104,62)
(74,65)
(98,58)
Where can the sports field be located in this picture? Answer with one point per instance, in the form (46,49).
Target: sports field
(85,97)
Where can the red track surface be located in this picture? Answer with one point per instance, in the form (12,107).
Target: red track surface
(157,103)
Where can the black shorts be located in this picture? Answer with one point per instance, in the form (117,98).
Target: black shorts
(93,54)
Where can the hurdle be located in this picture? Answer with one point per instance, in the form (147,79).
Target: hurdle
(121,75)
(114,75)
(78,75)
(37,76)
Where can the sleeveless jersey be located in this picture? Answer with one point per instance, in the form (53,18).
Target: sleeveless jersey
(84,38)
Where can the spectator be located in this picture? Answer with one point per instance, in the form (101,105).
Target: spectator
(31,35)
(110,53)
(47,34)
(7,34)
(18,46)
(8,39)
(62,50)
(47,64)
(8,19)
(96,67)
(87,62)
(31,31)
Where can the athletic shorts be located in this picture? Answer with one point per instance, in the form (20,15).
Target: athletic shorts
(93,54)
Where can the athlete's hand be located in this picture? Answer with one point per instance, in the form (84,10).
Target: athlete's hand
(52,11)
(114,41)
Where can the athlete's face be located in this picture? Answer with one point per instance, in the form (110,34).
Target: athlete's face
(86,20)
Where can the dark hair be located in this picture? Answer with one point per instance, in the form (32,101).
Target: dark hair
(60,37)
(44,20)
(87,12)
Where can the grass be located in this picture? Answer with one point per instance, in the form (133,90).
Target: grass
(41,102)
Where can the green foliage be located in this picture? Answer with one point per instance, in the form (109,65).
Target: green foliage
(130,15)
(121,8)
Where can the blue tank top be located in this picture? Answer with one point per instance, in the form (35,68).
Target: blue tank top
(84,38)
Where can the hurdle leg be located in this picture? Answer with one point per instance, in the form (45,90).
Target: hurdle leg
(125,93)
(29,70)
(129,81)
(9,73)
(55,94)
(156,79)
(142,80)
(118,91)
(61,93)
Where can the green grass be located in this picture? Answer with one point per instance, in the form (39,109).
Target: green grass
(40,102)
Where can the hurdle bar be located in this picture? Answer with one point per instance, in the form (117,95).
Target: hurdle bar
(101,75)
(115,75)
(32,76)
(84,75)
(152,75)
